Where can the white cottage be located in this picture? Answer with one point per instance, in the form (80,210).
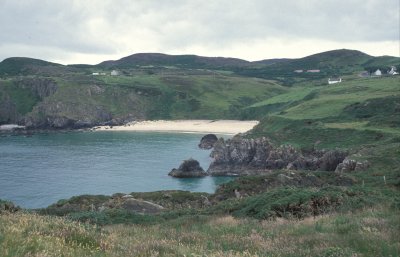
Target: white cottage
(114,73)
(378,72)
(392,71)
(334,80)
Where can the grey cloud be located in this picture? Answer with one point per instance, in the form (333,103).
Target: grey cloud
(46,23)
(107,27)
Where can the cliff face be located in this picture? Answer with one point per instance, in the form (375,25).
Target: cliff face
(44,103)
(18,97)
(241,156)
(40,87)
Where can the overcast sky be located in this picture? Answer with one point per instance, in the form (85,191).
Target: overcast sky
(91,31)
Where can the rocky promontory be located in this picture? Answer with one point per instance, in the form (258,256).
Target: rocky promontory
(242,156)
(188,169)
(208,141)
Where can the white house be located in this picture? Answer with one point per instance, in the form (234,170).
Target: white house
(114,73)
(334,80)
(393,71)
(378,72)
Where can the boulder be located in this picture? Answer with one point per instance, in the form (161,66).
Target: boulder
(188,169)
(208,141)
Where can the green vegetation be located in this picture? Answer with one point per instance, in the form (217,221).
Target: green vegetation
(370,232)
(284,213)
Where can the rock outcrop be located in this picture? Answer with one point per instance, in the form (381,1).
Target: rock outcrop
(41,87)
(188,169)
(349,165)
(61,115)
(240,156)
(208,141)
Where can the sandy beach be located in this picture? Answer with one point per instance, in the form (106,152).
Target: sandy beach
(229,127)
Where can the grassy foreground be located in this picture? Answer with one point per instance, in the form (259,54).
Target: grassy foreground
(368,232)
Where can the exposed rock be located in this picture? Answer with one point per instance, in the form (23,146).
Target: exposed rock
(51,114)
(241,156)
(8,111)
(330,160)
(208,141)
(188,169)
(238,156)
(349,165)
(41,87)
(6,206)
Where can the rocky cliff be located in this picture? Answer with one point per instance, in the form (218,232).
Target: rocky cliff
(45,103)
(242,156)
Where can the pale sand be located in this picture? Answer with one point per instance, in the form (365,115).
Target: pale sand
(230,127)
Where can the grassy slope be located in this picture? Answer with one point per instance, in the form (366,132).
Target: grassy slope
(348,114)
(370,232)
(146,96)
(198,96)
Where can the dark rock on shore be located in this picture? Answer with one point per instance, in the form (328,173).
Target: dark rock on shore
(188,169)
(208,141)
(6,206)
(241,156)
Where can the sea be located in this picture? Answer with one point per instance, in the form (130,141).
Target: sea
(40,169)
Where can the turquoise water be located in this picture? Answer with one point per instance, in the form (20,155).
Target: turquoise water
(39,170)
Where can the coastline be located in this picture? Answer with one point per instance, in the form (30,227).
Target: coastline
(228,127)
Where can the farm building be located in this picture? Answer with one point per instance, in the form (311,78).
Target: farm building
(334,80)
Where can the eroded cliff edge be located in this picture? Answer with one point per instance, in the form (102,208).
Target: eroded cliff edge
(247,156)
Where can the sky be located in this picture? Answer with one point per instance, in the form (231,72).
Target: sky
(91,31)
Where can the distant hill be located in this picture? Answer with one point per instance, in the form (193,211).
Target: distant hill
(22,65)
(273,61)
(335,58)
(183,61)
(336,62)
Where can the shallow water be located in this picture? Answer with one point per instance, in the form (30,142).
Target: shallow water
(39,170)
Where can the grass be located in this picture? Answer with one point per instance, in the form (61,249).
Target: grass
(346,115)
(23,98)
(331,100)
(294,95)
(368,232)
(144,96)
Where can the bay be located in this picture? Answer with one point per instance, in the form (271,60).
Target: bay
(39,170)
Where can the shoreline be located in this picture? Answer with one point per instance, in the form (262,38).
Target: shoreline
(227,127)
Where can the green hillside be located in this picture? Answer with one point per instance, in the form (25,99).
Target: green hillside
(354,112)
(99,99)
(278,213)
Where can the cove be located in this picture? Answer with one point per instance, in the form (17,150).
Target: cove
(39,170)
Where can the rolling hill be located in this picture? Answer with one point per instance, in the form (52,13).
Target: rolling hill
(42,94)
